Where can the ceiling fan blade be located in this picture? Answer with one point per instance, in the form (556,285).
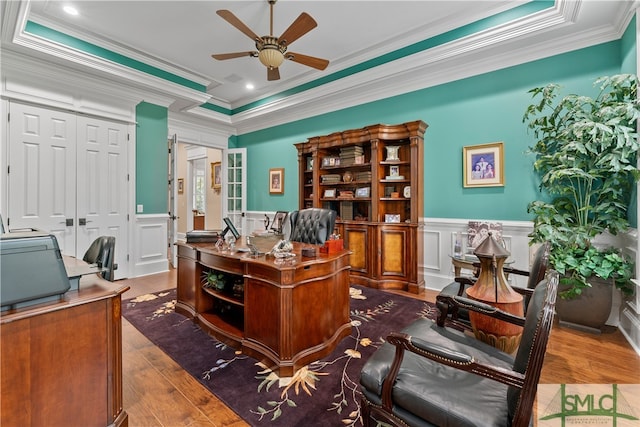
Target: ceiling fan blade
(301,26)
(273,74)
(223,56)
(309,61)
(233,20)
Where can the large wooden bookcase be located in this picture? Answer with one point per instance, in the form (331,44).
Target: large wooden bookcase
(373,178)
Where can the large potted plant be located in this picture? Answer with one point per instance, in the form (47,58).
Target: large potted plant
(586,151)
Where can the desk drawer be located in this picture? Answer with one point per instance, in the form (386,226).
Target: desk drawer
(222,263)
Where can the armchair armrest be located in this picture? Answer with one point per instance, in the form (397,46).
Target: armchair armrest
(439,354)
(472,305)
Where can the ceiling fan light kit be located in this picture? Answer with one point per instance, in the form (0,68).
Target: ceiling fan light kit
(271,50)
(270,53)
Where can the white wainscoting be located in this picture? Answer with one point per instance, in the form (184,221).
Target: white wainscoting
(150,244)
(439,236)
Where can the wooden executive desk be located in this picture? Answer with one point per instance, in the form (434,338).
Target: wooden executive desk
(291,314)
(61,361)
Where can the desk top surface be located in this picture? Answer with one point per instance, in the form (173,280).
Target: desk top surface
(240,253)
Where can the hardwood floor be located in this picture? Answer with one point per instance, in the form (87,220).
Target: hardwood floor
(157,392)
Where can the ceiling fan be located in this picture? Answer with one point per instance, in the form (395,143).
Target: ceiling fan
(272,51)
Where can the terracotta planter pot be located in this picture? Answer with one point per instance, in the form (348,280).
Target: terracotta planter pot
(589,311)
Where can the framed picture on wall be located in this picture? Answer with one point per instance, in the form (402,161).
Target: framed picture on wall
(483,165)
(216,175)
(276,181)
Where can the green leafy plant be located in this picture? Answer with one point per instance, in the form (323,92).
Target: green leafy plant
(214,279)
(586,150)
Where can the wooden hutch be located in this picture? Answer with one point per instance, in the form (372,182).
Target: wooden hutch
(373,178)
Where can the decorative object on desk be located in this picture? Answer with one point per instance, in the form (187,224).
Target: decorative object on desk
(309,252)
(332,246)
(363,192)
(347,177)
(394,171)
(276,181)
(279,221)
(202,236)
(391,218)
(407,191)
(483,165)
(492,288)
(216,175)
(180,185)
(392,153)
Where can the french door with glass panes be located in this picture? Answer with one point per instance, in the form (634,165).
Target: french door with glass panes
(235,192)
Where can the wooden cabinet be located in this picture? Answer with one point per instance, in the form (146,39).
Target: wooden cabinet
(373,178)
(61,362)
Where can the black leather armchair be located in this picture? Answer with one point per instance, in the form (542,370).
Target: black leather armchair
(428,375)
(313,225)
(460,285)
(102,253)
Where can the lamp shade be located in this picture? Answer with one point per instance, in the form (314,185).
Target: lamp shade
(271,57)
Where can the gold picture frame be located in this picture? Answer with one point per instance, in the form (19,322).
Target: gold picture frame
(484,165)
(216,175)
(276,181)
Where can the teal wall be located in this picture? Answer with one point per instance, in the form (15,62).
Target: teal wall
(151,158)
(629,65)
(477,110)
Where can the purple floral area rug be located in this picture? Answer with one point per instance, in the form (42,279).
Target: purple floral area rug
(324,393)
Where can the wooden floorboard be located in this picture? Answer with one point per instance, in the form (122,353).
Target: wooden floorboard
(157,392)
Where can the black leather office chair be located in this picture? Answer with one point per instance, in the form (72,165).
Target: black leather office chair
(428,375)
(102,253)
(312,225)
(460,285)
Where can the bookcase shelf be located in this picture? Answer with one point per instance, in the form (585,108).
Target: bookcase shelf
(382,226)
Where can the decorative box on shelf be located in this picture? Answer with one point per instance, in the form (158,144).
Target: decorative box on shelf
(332,246)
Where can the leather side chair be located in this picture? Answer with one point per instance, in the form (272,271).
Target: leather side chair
(312,225)
(428,375)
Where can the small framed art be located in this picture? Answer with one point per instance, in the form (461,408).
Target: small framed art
(276,181)
(216,175)
(363,192)
(392,218)
(483,165)
(330,193)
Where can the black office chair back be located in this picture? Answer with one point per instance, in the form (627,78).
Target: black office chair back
(312,225)
(102,253)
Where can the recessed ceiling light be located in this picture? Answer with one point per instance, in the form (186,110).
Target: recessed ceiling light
(249,86)
(70,10)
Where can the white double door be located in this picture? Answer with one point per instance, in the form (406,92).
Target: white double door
(68,176)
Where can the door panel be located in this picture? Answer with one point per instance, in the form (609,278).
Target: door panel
(68,177)
(236,193)
(102,185)
(42,162)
